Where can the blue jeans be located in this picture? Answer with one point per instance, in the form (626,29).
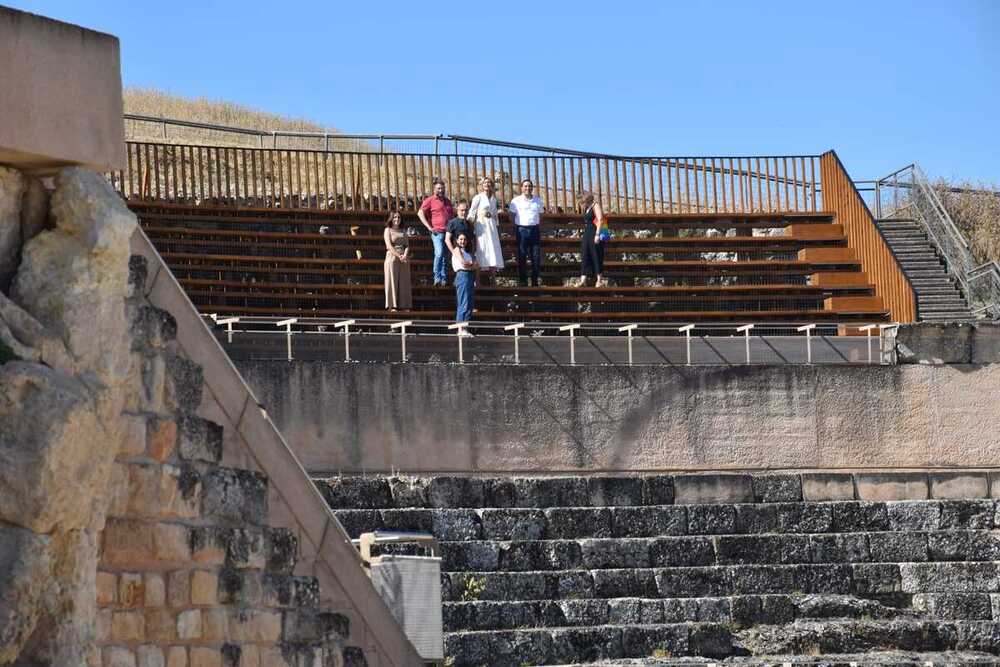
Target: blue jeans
(529,245)
(440,258)
(464,281)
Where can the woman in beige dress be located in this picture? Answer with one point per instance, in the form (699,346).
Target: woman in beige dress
(397,265)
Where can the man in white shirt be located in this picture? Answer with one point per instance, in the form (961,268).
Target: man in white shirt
(526,212)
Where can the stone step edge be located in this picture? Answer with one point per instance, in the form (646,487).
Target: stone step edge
(738,487)
(696,625)
(984,532)
(877,658)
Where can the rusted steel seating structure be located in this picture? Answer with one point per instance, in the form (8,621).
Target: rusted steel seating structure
(679,253)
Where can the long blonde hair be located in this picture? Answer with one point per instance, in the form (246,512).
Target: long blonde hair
(587,200)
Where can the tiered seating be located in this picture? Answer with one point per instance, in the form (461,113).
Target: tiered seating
(558,570)
(702,268)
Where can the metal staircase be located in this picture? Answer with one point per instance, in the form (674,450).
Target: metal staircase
(950,284)
(938,296)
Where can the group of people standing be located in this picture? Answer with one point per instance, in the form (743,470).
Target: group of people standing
(470,235)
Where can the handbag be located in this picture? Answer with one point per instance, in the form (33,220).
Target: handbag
(604,233)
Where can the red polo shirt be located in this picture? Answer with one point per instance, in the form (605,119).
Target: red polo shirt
(439,212)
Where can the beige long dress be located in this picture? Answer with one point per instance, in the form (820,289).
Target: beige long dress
(397,274)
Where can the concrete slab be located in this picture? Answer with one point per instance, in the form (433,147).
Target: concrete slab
(704,489)
(959,485)
(818,487)
(891,486)
(60,95)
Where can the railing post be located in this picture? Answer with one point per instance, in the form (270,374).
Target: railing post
(460,326)
(571,328)
(516,328)
(687,334)
(745,330)
(288,332)
(402,335)
(808,329)
(228,321)
(347,337)
(629,328)
(868,333)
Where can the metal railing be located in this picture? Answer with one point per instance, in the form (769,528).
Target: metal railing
(906,193)
(362,180)
(436,144)
(559,343)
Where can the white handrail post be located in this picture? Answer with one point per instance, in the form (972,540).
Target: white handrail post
(629,328)
(868,330)
(571,328)
(288,332)
(808,329)
(745,329)
(402,334)
(687,333)
(460,326)
(228,321)
(516,328)
(347,337)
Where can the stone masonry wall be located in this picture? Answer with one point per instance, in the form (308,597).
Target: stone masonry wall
(150,514)
(191,571)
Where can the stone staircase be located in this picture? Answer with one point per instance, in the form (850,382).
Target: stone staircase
(762,569)
(938,297)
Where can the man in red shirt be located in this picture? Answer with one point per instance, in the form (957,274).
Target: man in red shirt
(439,209)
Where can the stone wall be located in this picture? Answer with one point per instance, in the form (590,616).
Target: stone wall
(763,569)
(150,514)
(487,418)
(62,94)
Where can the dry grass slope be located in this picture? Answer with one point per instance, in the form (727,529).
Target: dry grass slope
(156,103)
(976,211)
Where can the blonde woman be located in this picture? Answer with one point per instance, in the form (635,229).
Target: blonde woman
(483,212)
(591,245)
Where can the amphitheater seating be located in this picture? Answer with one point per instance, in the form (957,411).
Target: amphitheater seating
(661,268)
(558,570)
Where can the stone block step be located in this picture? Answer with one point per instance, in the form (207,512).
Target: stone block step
(595,554)
(560,646)
(743,611)
(507,524)
(861,579)
(868,659)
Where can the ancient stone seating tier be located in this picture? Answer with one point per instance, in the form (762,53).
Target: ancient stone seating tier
(557,570)
(661,268)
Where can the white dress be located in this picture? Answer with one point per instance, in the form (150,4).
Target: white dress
(488,253)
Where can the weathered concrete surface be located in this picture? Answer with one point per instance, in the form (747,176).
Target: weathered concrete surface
(952,343)
(60,94)
(436,417)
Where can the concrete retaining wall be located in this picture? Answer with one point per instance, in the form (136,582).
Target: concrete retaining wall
(439,417)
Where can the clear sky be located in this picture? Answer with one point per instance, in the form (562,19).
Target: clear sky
(883,83)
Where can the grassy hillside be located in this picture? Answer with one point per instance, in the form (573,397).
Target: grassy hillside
(150,102)
(976,211)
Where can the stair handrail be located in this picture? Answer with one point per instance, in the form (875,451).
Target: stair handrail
(979,282)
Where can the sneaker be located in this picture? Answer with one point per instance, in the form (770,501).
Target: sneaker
(466,334)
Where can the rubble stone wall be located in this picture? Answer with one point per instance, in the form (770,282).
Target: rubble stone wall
(150,514)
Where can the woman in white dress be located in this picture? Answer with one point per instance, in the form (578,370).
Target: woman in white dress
(483,212)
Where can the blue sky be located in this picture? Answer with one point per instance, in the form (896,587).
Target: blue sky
(883,83)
